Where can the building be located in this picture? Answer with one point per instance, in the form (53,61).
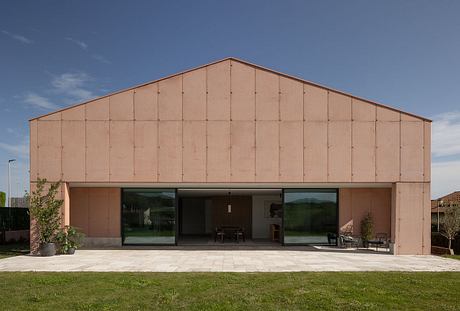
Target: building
(227,144)
(439,205)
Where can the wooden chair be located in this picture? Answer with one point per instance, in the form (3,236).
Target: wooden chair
(240,234)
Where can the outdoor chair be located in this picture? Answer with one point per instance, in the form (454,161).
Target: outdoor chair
(381,240)
(239,234)
(349,241)
(219,234)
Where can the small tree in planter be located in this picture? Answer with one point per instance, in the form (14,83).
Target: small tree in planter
(69,239)
(451,224)
(367,229)
(45,210)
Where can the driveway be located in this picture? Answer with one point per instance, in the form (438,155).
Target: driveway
(226,261)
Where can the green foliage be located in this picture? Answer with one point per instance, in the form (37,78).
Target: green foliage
(2,199)
(45,210)
(69,237)
(451,224)
(367,227)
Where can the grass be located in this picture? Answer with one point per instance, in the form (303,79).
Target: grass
(14,249)
(452,256)
(230,291)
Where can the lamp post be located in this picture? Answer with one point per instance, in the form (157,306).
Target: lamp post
(439,203)
(9,180)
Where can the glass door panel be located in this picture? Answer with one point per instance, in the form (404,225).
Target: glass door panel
(310,216)
(149,216)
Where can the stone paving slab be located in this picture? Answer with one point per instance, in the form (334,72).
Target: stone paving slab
(226,261)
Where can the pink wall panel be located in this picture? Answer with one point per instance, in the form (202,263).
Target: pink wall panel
(146,151)
(242,92)
(315,151)
(122,106)
(73,150)
(363,151)
(339,107)
(218,137)
(49,150)
(407,117)
(74,114)
(409,209)
(315,103)
(267,95)
(79,208)
(426,237)
(385,114)
(194,84)
(291,151)
(98,212)
(412,164)
(361,202)
(219,91)
(345,210)
(194,157)
(114,199)
(267,151)
(146,102)
(51,117)
(381,210)
(291,99)
(339,153)
(121,151)
(33,127)
(170,155)
(97,151)
(242,151)
(363,111)
(427,151)
(170,98)
(387,151)
(97,110)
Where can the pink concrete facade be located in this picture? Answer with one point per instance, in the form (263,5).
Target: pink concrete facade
(232,122)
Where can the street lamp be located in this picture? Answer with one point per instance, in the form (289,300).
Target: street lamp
(9,177)
(439,203)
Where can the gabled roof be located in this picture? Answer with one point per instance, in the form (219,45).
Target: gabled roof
(249,64)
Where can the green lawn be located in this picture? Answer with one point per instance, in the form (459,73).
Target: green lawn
(230,291)
(15,249)
(452,256)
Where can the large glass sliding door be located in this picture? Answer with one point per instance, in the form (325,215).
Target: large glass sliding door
(310,216)
(149,216)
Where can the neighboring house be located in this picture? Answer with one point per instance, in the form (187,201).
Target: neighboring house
(439,205)
(226,144)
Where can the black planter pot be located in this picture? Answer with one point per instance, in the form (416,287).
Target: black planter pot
(71,251)
(47,249)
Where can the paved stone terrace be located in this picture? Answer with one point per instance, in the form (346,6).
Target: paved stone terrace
(226,261)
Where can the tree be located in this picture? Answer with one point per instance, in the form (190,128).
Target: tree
(45,210)
(451,224)
(2,199)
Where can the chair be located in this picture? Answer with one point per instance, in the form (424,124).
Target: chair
(349,241)
(381,240)
(240,233)
(219,234)
(331,237)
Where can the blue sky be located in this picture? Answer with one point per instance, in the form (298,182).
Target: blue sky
(401,53)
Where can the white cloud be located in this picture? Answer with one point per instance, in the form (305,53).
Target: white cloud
(36,100)
(20,150)
(17,37)
(445,178)
(9,130)
(72,85)
(81,44)
(100,58)
(446,134)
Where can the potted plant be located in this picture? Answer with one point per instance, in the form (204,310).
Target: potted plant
(69,239)
(367,228)
(44,210)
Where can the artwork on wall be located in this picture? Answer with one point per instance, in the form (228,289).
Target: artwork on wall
(273,209)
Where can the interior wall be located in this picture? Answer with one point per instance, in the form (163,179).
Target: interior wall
(96,211)
(355,203)
(193,216)
(261,223)
(240,216)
